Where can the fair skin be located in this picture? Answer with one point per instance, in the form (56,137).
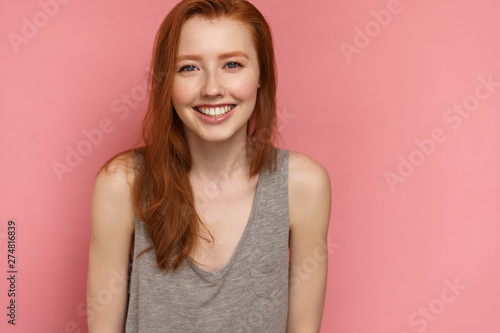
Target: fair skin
(217,65)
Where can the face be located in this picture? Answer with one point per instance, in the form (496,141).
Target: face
(217,72)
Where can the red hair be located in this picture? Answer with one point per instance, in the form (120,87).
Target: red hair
(162,194)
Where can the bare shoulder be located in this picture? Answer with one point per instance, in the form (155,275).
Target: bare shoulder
(309,188)
(113,192)
(119,171)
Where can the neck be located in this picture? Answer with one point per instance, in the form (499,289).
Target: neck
(219,161)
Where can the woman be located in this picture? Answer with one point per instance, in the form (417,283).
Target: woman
(208,205)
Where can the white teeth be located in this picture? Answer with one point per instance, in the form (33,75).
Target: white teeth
(215,112)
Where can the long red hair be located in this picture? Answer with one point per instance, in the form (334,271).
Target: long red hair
(162,194)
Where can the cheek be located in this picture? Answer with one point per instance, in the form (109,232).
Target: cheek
(244,89)
(181,94)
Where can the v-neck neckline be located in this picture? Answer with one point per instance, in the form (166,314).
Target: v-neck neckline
(219,273)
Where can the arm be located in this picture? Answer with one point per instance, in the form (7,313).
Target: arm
(112,228)
(310,204)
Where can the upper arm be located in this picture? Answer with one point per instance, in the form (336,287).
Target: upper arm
(112,225)
(310,205)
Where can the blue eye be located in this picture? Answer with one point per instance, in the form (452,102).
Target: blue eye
(233,64)
(188,68)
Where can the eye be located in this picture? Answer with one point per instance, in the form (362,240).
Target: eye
(187,68)
(233,64)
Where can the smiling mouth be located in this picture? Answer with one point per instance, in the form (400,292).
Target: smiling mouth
(215,112)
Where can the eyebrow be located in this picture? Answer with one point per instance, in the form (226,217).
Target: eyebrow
(221,56)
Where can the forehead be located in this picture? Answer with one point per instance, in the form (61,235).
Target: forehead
(200,35)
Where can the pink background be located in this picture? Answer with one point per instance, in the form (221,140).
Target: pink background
(395,249)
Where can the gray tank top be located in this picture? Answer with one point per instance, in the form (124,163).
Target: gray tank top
(250,294)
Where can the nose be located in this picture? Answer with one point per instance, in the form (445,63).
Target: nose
(212,86)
